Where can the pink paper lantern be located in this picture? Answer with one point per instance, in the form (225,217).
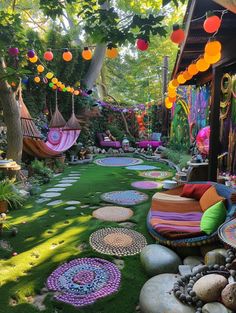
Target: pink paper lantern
(203,139)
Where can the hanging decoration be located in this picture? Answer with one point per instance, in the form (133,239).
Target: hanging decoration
(177,35)
(212,23)
(37,79)
(48,55)
(201,65)
(67,55)
(142,44)
(30,53)
(40,68)
(213,47)
(49,75)
(13,51)
(34,59)
(112,51)
(87,54)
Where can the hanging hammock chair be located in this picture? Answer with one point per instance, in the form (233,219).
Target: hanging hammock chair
(61,137)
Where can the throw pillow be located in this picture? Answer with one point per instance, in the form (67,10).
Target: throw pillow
(209,198)
(194,191)
(213,218)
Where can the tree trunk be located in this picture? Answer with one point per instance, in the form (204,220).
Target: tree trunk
(11,114)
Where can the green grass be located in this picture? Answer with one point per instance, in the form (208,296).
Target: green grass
(50,236)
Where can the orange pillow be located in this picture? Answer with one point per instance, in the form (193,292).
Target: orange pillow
(209,198)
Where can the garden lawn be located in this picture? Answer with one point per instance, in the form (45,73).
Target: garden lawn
(49,236)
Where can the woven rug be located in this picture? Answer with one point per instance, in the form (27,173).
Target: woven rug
(117,241)
(82,281)
(141,167)
(126,197)
(147,184)
(156,174)
(118,161)
(113,213)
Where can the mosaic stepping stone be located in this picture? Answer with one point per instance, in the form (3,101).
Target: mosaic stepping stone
(147,184)
(74,175)
(118,161)
(84,206)
(56,202)
(73,202)
(63,185)
(113,213)
(55,189)
(141,167)
(69,208)
(157,174)
(50,194)
(126,197)
(68,181)
(41,200)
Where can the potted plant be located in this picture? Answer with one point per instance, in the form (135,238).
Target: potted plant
(9,196)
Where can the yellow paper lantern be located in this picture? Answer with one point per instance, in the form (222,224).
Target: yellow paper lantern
(37,79)
(181,80)
(40,68)
(54,80)
(212,59)
(192,69)
(202,66)
(68,88)
(34,59)
(174,83)
(213,47)
(171,89)
(72,90)
(49,75)
(168,104)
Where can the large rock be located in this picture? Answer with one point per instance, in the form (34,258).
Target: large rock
(209,287)
(229,296)
(216,256)
(215,307)
(193,261)
(157,296)
(158,259)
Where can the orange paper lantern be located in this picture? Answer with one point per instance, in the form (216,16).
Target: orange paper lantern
(76,92)
(181,79)
(55,81)
(37,79)
(192,69)
(202,66)
(213,47)
(111,52)
(212,59)
(54,87)
(175,83)
(67,56)
(187,76)
(168,103)
(40,68)
(87,54)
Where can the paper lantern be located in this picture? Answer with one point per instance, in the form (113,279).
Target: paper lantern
(76,93)
(68,88)
(45,80)
(54,80)
(87,54)
(54,87)
(64,89)
(192,69)
(212,59)
(186,75)
(213,47)
(62,86)
(40,68)
(67,55)
(203,139)
(72,90)
(48,55)
(174,83)
(51,85)
(212,23)
(13,51)
(49,75)
(37,79)
(172,100)
(142,44)
(181,79)
(34,59)
(25,80)
(177,35)
(168,104)
(31,53)
(111,52)
(202,66)
(172,93)
(59,84)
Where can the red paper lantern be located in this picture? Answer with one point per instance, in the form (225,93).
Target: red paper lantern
(212,23)
(142,44)
(177,35)
(48,55)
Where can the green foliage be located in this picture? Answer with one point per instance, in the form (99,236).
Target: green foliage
(10,194)
(177,157)
(41,172)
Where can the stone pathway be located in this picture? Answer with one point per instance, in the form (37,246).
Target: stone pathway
(50,194)
(56,202)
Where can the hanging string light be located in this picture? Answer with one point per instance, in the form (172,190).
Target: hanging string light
(201,65)
(40,68)
(177,35)
(142,44)
(48,55)
(31,53)
(111,51)
(34,59)
(212,23)
(67,55)
(87,54)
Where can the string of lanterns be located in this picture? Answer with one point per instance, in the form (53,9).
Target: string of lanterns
(212,55)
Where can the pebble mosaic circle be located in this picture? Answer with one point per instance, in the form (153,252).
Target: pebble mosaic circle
(126,197)
(227,233)
(113,213)
(117,241)
(118,161)
(146,184)
(141,167)
(83,281)
(157,174)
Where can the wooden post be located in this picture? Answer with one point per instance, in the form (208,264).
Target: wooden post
(214,149)
(165,113)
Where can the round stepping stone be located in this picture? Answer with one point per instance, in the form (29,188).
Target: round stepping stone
(50,194)
(56,202)
(63,185)
(73,202)
(69,208)
(141,167)
(68,181)
(113,213)
(55,189)
(41,200)
(157,296)
(126,197)
(146,184)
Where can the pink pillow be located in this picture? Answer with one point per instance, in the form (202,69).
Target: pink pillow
(194,191)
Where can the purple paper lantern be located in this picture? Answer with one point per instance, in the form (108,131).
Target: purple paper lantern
(13,51)
(31,53)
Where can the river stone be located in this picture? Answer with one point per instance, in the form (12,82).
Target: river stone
(157,259)
(209,287)
(215,307)
(229,296)
(215,256)
(157,296)
(193,261)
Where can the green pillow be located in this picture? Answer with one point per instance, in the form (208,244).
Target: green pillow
(213,217)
